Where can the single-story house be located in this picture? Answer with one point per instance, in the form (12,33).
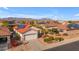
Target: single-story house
(26,32)
(4,38)
(62,27)
(73,26)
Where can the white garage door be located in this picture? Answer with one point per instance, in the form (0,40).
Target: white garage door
(31,36)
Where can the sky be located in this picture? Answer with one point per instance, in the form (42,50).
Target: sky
(58,13)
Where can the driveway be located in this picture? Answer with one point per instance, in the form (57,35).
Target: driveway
(35,45)
(3,47)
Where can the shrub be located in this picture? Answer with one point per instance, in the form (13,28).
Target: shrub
(48,39)
(51,39)
(59,39)
(54,31)
(70,22)
(65,34)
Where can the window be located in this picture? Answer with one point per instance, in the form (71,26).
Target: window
(3,40)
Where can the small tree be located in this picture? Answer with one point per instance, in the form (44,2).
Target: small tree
(55,31)
(70,22)
(44,31)
(17,36)
(5,23)
(22,22)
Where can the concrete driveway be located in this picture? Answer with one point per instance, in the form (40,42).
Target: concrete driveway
(35,45)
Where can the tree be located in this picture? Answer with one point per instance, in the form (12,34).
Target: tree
(55,31)
(33,23)
(22,22)
(5,23)
(44,31)
(70,22)
(17,36)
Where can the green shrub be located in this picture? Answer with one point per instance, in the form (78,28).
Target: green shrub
(65,34)
(51,39)
(59,39)
(48,39)
(53,31)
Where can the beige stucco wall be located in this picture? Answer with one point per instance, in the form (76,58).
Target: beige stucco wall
(21,35)
(32,34)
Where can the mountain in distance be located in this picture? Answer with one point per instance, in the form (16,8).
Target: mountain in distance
(15,18)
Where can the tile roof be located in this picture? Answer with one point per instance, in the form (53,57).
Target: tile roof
(23,30)
(64,27)
(4,31)
(59,25)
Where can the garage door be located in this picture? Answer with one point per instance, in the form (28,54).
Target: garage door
(3,43)
(31,36)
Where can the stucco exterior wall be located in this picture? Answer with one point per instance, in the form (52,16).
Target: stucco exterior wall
(29,35)
(21,35)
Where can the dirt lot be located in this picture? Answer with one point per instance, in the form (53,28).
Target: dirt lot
(72,34)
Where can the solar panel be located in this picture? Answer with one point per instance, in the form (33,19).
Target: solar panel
(73,25)
(21,26)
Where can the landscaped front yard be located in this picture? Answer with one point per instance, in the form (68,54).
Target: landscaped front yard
(52,39)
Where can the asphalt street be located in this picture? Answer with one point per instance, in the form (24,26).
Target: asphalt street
(74,46)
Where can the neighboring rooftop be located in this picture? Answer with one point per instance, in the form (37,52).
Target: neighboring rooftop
(22,28)
(4,31)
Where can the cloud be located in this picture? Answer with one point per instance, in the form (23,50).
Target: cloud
(76,14)
(57,17)
(1,11)
(31,16)
(6,8)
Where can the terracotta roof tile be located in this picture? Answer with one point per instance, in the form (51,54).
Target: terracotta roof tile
(23,30)
(4,31)
(64,27)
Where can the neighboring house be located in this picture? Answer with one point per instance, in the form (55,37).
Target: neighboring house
(63,28)
(4,38)
(1,22)
(50,26)
(26,32)
(73,26)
